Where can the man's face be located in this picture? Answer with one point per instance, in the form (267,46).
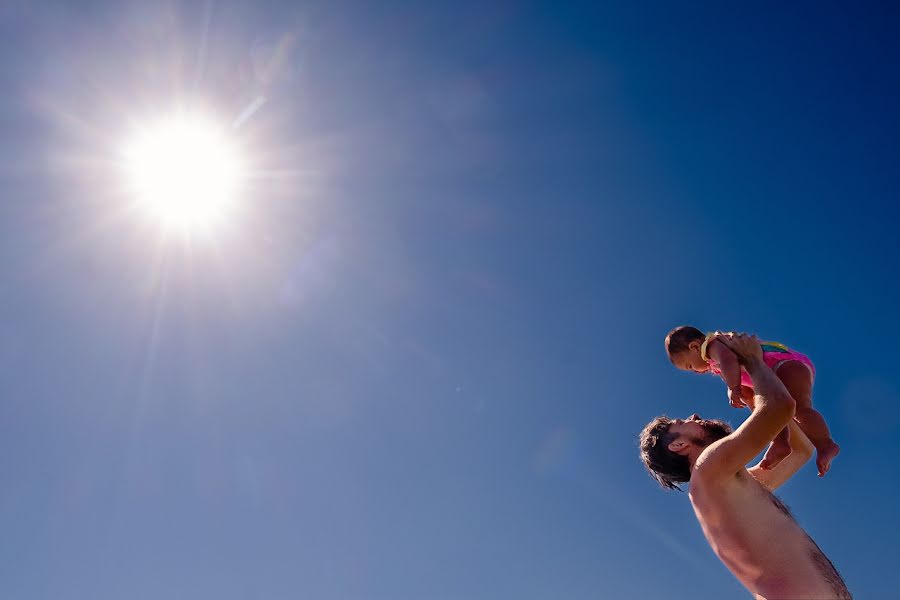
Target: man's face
(667,446)
(700,431)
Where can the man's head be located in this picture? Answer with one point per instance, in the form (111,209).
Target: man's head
(669,447)
(683,347)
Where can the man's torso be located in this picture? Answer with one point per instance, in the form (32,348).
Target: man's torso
(753,533)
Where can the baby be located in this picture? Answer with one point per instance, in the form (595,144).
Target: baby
(690,349)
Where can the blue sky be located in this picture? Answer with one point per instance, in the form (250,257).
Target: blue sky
(416,365)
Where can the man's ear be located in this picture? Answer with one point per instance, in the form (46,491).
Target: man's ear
(695,345)
(678,446)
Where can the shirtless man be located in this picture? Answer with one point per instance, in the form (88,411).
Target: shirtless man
(748,528)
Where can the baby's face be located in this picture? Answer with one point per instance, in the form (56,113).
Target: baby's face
(690,360)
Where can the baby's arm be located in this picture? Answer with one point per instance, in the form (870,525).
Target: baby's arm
(730,367)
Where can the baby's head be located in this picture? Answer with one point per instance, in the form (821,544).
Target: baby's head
(683,347)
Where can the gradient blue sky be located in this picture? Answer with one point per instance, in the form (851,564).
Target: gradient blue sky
(416,365)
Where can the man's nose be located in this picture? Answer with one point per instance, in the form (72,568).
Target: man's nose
(694,417)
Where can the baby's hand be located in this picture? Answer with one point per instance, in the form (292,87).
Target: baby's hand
(737,399)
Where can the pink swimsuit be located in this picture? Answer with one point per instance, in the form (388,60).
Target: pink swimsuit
(774,355)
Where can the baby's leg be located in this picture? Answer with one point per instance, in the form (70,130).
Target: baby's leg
(798,381)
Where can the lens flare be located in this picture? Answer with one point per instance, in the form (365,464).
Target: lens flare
(185,170)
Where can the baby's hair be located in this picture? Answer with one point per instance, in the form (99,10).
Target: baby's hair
(680,338)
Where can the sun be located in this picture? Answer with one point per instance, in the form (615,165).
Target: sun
(184,170)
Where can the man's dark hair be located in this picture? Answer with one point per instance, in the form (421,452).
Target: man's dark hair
(680,338)
(665,466)
(670,468)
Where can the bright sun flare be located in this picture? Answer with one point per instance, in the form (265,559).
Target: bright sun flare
(185,170)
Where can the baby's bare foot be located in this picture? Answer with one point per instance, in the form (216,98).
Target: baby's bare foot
(825,455)
(774,455)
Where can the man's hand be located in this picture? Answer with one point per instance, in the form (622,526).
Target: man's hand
(746,346)
(773,408)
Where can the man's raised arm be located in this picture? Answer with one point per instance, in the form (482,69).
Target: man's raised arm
(801,451)
(773,410)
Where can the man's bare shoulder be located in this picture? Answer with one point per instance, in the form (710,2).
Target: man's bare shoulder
(712,489)
(713,484)
(704,471)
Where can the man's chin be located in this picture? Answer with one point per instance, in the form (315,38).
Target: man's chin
(715,429)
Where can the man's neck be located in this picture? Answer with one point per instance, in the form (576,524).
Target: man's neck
(694,453)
